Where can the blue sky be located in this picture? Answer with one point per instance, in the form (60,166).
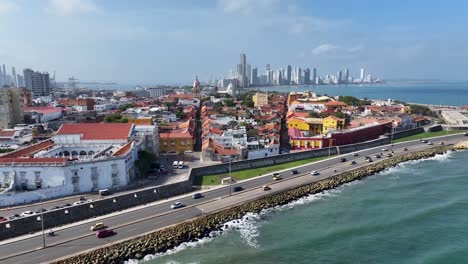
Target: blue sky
(169,41)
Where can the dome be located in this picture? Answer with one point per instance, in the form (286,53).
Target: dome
(196,83)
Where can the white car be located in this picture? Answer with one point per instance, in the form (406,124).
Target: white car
(176,205)
(385,149)
(78,202)
(315,173)
(430,143)
(27,213)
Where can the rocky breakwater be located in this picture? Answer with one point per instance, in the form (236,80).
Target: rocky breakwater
(162,240)
(461,146)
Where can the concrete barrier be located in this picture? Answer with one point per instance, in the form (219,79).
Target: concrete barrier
(72,214)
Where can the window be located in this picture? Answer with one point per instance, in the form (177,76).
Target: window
(182,142)
(189,142)
(165,142)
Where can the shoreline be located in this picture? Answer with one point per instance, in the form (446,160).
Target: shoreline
(190,231)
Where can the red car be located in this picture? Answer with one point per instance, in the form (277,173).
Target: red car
(3,219)
(104,233)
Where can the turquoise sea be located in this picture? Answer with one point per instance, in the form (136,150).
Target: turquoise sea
(414,213)
(437,93)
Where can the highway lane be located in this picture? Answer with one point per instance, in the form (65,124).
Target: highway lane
(79,230)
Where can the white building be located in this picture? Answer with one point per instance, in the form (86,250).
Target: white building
(79,158)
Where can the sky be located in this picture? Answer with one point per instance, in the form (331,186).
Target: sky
(171,41)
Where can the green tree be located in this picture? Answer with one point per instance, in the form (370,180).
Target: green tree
(115,118)
(229,103)
(180,114)
(143,164)
(126,106)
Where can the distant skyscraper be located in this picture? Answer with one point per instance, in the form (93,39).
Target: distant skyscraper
(13,76)
(269,77)
(249,74)
(362,74)
(253,75)
(339,77)
(307,76)
(288,74)
(346,75)
(314,75)
(38,83)
(20,80)
(5,80)
(243,73)
(298,77)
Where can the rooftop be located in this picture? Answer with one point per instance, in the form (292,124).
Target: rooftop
(100,131)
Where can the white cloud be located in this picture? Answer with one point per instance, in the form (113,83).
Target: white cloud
(7,6)
(323,49)
(70,7)
(332,49)
(247,7)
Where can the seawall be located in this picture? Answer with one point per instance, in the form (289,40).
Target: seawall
(162,240)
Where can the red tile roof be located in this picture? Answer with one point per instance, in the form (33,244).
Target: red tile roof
(43,109)
(7,133)
(124,149)
(104,131)
(176,134)
(30,150)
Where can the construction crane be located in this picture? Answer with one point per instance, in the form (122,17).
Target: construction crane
(72,82)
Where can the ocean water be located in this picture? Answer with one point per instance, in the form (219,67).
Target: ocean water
(437,93)
(414,213)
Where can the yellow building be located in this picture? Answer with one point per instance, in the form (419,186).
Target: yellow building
(298,123)
(11,107)
(315,125)
(260,99)
(175,142)
(332,123)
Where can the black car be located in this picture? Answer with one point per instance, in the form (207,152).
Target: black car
(65,205)
(377,156)
(343,160)
(294,172)
(197,195)
(237,189)
(54,208)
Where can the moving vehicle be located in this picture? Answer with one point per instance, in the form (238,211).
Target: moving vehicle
(466,134)
(15,216)
(237,189)
(343,160)
(78,202)
(97,226)
(293,172)
(3,219)
(54,207)
(405,149)
(27,213)
(355,154)
(369,160)
(65,205)
(104,192)
(266,187)
(276,176)
(315,173)
(51,233)
(352,162)
(389,155)
(377,156)
(177,205)
(197,195)
(430,143)
(385,149)
(181,165)
(104,233)
(423,141)
(442,143)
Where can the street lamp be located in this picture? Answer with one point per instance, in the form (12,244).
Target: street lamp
(330,142)
(42,217)
(230,177)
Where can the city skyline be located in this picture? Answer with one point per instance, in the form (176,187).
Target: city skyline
(155,44)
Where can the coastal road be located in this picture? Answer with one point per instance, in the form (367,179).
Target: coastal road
(78,237)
